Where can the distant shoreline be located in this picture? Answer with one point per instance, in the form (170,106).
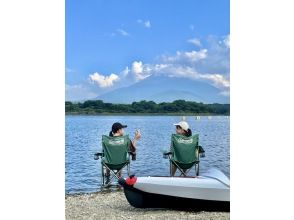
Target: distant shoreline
(177,108)
(142,114)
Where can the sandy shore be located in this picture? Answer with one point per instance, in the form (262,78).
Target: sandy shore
(115,206)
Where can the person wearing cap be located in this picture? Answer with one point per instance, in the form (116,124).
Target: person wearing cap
(182,128)
(117,129)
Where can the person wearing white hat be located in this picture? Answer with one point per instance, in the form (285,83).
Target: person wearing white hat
(182,128)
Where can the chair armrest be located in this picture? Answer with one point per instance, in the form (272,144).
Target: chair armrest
(166,154)
(201,151)
(98,155)
(202,155)
(133,155)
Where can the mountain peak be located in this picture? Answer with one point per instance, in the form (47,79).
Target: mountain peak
(166,89)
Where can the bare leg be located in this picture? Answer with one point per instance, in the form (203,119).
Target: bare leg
(107,172)
(107,175)
(174,169)
(119,174)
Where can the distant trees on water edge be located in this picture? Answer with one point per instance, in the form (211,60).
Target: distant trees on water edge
(146,107)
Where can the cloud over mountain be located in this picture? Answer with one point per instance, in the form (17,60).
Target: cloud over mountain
(103,81)
(210,64)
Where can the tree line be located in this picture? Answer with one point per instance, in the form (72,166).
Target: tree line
(146,107)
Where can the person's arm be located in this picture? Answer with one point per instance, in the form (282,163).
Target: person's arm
(133,143)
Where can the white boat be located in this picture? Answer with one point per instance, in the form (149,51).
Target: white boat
(209,191)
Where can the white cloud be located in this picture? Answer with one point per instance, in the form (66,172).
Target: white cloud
(139,71)
(78,92)
(147,23)
(137,67)
(191,27)
(123,32)
(103,81)
(125,72)
(191,56)
(218,80)
(194,55)
(227,41)
(69,70)
(210,64)
(217,59)
(195,41)
(174,70)
(225,93)
(69,87)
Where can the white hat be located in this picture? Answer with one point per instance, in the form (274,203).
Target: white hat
(183,124)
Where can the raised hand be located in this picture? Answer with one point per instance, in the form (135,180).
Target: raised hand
(137,134)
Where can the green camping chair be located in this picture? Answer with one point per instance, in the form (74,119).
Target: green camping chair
(184,153)
(114,156)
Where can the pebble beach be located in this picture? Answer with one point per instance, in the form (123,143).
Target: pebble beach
(113,205)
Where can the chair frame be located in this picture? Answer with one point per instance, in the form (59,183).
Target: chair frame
(113,172)
(182,172)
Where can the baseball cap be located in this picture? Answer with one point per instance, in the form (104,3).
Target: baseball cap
(116,126)
(183,124)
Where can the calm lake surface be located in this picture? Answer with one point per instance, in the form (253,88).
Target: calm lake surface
(83,139)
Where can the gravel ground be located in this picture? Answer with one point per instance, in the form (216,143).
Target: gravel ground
(113,205)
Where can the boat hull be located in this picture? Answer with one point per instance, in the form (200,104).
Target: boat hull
(141,199)
(209,192)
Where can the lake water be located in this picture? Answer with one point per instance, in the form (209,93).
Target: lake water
(83,139)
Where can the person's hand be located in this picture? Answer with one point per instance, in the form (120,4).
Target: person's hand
(137,135)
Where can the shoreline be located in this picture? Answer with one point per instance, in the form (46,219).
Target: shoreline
(143,114)
(113,205)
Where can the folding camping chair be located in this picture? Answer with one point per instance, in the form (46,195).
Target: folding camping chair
(115,156)
(184,153)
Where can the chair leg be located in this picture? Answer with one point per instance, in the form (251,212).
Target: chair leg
(128,169)
(197,169)
(114,174)
(170,166)
(187,171)
(102,175)
(181,170)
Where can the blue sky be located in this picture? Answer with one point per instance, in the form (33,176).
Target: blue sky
(110,44)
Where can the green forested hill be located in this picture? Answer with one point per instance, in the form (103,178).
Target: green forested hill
(146,107)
